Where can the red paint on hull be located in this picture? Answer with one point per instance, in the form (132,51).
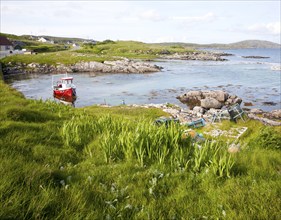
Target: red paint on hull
(65,93)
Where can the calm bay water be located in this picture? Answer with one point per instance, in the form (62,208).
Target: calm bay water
(254,80)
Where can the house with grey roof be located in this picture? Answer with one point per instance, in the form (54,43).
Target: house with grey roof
(5,44)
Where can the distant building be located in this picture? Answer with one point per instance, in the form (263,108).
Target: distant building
(5,44)
(42,39)
(45,40)
(89,42)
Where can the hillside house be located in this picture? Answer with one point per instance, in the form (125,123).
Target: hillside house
(42,39)
(45,40)
(5,44)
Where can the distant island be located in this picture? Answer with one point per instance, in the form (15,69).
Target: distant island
(238,45)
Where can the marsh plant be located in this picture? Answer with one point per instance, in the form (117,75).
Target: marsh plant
(146,143)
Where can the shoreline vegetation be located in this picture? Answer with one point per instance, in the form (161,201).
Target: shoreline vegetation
(60,162)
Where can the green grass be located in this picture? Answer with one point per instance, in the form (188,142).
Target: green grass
(131,49)
(58,162)
(53,58)
(53,55)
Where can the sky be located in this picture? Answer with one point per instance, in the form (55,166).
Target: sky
(147,21)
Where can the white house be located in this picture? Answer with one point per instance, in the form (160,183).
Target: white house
(42,39)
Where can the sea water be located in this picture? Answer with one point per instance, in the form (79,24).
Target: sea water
(256,81)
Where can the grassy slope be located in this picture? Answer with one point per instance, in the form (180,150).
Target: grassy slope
(58,162)
(131,49)
(54,58)
(99,52)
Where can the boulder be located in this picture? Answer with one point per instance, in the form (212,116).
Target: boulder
(276,114)
(219,95)
(209,99)
(198,109)
(209,102)
(233,99)
(191,98)
(256,111)
(194,94)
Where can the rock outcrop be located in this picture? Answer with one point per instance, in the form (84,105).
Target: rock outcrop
(209,99)
(210,102)
(255,57)
(118,66)
(267,118)
(201,55)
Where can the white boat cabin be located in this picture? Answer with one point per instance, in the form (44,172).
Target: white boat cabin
(65,82)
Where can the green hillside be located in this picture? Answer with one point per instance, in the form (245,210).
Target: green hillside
(106,50)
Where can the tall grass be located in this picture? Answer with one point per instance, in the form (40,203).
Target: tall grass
(142,141)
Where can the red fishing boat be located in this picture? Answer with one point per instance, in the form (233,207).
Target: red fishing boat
(64,89)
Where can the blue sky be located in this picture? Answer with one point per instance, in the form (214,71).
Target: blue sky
(147,21)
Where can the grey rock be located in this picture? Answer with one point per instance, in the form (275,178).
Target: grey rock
(256,111)
(233,99)
(219,95)
(198,109)
(200,55)
(210,102)
(265,121)
(276,114)
(209,99)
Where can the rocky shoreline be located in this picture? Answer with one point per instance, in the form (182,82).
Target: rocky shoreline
(202,56)
(186,116)
(255,57)
(213,105)
(208,99)
(119,66)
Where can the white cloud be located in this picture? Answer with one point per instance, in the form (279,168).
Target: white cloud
(151,15)
(192,19)
(164,39)
(269,28)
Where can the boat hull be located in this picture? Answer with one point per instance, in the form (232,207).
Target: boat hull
(65,94)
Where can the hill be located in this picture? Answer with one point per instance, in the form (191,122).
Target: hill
(237,45)
(57,40)
(65,40)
